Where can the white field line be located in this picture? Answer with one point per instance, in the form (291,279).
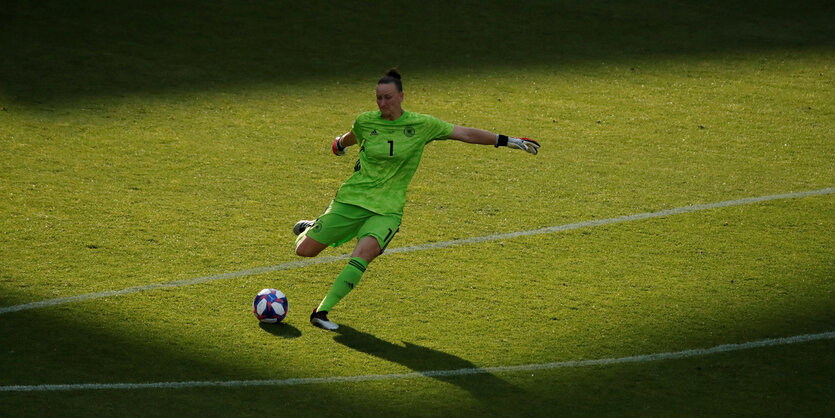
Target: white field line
(423,247)
(430,373)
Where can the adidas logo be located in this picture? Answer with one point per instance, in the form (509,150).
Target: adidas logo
(374,132)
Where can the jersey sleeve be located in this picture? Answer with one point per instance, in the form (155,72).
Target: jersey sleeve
(356,128)
(439,129)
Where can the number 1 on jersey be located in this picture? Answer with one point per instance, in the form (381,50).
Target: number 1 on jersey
(391,148)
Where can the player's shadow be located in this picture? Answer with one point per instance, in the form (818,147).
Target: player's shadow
(281,329)
(431,363)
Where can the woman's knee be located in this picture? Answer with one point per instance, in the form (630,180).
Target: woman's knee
(367,248)
(309,248)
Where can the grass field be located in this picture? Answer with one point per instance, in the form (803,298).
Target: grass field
(147,143)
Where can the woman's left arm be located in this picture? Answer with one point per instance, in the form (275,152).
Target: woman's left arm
(473,135)
(480,136)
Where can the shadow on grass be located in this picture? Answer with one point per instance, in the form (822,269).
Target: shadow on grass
(483,386)
(57,51)
(281,329)
(56,346)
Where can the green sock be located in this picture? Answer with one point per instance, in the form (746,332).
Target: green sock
(344,283)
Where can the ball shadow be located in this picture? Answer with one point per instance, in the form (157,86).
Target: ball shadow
(281,329)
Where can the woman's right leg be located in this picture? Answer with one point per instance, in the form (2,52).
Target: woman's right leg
(309,247)
(330,228)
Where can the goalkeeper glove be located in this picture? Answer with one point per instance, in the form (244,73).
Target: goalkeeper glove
(525,144)
(337,148)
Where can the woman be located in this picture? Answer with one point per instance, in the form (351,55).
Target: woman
(369,205)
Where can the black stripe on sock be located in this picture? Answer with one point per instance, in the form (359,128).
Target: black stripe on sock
(357,264)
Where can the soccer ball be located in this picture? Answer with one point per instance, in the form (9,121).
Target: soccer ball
(270,306)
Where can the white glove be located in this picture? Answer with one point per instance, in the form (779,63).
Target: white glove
(337,148)
(525,144)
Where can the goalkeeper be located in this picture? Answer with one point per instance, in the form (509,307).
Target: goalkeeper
(369,205)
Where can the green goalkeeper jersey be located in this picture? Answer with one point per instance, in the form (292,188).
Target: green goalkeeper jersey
(390,153)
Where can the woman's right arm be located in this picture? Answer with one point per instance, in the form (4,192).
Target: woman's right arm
(342,142)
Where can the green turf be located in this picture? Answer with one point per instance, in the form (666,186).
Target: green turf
(147,143)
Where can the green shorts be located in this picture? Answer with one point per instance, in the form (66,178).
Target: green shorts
(342,222)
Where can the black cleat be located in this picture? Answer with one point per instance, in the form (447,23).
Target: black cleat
(302,226)
(320,319)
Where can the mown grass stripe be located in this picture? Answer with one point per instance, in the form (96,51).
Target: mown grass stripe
(645,358)
(423,247)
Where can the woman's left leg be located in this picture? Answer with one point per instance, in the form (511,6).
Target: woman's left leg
(374,236)
(367,249)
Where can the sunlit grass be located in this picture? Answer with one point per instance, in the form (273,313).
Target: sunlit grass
(108,189)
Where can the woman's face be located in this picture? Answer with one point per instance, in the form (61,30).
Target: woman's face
(389,100)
